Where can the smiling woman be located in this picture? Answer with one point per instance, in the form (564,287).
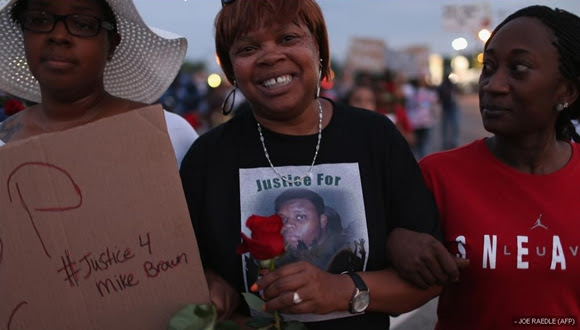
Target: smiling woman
(287,137)
(77,61)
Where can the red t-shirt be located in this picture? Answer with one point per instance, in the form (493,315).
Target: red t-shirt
(521,233)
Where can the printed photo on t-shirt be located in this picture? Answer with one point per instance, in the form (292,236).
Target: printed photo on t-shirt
(324,220)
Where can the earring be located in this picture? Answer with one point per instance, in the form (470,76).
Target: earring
(228,106)
(318,83)
(560,107)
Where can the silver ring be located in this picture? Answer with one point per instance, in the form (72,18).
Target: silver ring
(296,298)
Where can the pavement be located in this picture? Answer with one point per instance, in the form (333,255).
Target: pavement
(419,319)
(470,129)
(470,126)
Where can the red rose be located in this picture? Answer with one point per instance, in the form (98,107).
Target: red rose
(13,106)
(267,241)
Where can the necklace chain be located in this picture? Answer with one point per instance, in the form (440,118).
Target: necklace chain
(300,179)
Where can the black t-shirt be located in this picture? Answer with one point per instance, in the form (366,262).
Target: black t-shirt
(364,169)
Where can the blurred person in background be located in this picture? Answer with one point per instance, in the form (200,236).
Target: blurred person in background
(390,103)
(421,102)
(362,96)
(182,96)
(450,113)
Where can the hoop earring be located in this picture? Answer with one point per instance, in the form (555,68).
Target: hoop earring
(227,109)
(318,83)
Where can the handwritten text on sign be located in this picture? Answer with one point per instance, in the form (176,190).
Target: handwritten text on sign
(90,264)
(98,266)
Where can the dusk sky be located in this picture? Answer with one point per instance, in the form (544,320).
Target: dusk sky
(399,23)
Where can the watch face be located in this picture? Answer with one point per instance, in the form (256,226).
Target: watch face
(361,301)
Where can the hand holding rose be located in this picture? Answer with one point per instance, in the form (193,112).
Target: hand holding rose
(316,288)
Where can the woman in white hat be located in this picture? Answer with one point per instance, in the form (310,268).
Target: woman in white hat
(84,60)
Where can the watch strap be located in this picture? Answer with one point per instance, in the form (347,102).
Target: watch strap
(358,281)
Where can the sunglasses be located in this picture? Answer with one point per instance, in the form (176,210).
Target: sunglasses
(227,2)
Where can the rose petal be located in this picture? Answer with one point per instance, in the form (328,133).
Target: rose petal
(267,241)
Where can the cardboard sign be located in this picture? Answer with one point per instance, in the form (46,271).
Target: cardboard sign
(94,229)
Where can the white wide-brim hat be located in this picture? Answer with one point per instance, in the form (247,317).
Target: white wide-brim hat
(142,68)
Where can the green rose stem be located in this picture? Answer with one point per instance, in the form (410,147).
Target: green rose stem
(276,314)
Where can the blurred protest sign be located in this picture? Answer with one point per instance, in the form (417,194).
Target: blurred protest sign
(466,17)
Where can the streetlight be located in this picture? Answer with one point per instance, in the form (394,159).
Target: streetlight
(214,80)
(460,63)
(459,43)
(484,35)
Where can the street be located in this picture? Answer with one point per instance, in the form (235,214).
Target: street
(470,129)
(470,126)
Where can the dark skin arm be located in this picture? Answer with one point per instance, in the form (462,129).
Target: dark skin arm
(222,294)
(226,299)
(421,259)
(322,292)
